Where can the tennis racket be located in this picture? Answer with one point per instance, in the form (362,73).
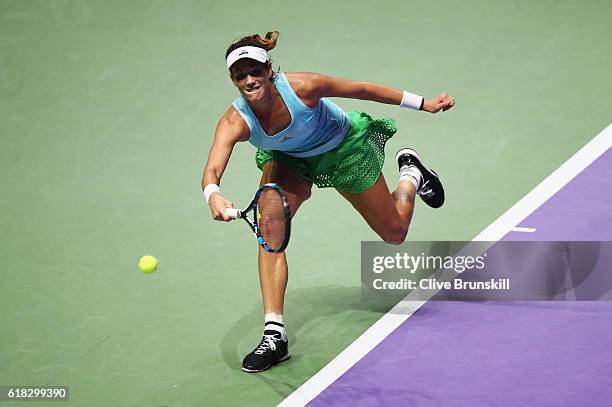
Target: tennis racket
(269,217)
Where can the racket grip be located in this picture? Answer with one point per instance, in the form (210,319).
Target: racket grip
(233,213)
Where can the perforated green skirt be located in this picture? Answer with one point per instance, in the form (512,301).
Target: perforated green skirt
(353,166)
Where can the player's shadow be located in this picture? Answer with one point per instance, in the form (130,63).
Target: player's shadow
(304,305)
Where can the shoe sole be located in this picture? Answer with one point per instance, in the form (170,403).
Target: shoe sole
(407,151)
(423,170)
(244,369)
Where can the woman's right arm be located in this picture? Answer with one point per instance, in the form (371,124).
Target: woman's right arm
(230,130)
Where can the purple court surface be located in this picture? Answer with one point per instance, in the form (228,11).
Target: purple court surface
(582,210)
(480,354)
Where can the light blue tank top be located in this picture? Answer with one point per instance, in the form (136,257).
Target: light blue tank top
(311,132)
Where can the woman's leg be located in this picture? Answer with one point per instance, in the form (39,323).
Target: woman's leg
(273,271)
(388,214)
(274,345)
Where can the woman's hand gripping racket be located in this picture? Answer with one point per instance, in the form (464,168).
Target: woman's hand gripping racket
(269,217)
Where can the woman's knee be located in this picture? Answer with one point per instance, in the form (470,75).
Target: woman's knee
(395,234)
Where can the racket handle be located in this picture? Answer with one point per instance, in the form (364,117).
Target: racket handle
(233,213)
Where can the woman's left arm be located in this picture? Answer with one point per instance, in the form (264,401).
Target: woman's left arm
(327,86)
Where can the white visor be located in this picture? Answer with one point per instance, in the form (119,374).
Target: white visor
(256,53)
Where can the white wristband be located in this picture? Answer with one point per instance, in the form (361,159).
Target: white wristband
(209,190)
(412,101)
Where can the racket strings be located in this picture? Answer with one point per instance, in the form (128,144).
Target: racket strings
(271,218)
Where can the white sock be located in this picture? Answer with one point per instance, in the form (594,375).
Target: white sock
(411,173)
(274,322)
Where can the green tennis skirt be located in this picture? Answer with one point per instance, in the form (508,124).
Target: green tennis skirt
(353,166)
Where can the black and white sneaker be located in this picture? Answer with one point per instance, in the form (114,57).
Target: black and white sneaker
(430,190)
(272,350)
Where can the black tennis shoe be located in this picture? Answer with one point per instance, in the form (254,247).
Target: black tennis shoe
(430,190)
(272,350)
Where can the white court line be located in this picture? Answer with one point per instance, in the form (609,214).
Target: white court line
(547,188)
(524,230)
(406,307)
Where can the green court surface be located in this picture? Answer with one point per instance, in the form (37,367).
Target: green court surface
(107,113)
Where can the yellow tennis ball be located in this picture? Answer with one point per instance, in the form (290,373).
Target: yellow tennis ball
(147,264)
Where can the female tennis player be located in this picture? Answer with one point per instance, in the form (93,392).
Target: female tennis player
(303,138)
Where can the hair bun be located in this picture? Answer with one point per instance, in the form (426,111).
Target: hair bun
(268,42)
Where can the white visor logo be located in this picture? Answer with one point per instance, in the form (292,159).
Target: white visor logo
(256,53)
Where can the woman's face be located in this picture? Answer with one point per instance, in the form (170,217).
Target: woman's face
(252,79)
